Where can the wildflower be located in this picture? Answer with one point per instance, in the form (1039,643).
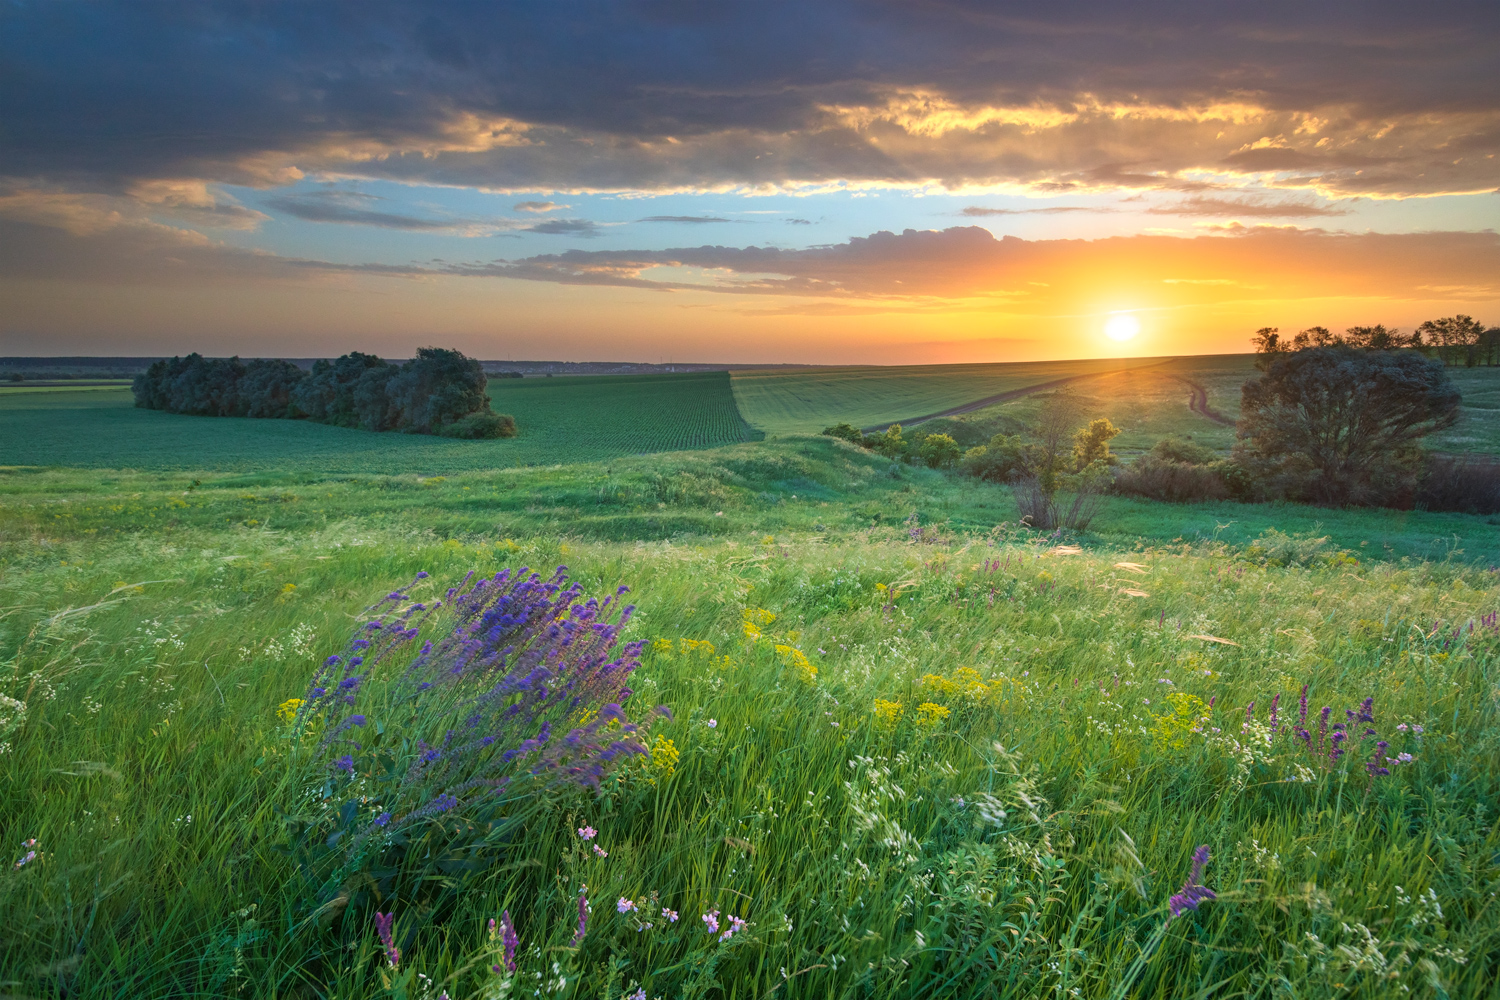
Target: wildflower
(583,918)
(735,926)
(1416,729)
(1401,728)
(624,905)
(1404,758)
(1193,890)
(600,851)
(664,757)
(508,940)
(712,723)
(383,922)
(587,832)
(711,919)
(1367,710)
(1376,766)
(639,994)
(344,763)
(382,819)
(287,710)
(887,713)
(930,715)
(671,915)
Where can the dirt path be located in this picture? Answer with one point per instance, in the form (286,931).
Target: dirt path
(1006,397)
(1198,402)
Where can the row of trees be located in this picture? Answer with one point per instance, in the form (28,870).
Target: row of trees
(440,391)
(1453,339)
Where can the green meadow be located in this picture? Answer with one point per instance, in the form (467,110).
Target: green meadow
(919,750)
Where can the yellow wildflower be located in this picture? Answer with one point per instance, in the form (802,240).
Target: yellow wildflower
(930,715)
(664,757)
(1172,729)
(287,710)
(688,646)
(806,672)
(887,713)
(662,647)
(287,588)
(759,616)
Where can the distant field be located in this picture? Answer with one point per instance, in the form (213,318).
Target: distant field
(1148,404)
(807,402)
(561,420)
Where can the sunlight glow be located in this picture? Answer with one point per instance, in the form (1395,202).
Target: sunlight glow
(1122,327)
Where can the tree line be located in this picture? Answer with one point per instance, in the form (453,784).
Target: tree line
(1453,339)
(440,391)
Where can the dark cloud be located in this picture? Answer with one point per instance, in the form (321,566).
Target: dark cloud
(537,206)
(799,222)
(565,227)
(681,218)
(1352,97)
(1246,207)
(314,209)
(979,212)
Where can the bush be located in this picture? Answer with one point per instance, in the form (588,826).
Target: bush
(1175,482)
(482,425)
(846,432)
(938,450)
(1465,484)
(435,388)
(998,461)
(1186,450)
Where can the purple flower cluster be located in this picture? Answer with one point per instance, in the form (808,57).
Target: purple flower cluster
(520,678)
(1193,891)
(383,923)
(1333,743)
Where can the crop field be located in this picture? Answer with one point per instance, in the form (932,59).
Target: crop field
(560,419)
(807,402)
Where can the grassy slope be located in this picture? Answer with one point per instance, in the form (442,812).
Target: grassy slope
(561,419)
(806,402)
(158,704)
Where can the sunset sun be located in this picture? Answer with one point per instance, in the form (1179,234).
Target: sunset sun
(1122,327)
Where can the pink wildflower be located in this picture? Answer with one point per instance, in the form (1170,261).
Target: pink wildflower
(711,918)
(624,905)
(600,851)
(587,832)
(669,914)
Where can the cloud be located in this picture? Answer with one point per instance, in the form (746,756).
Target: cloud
(681,218)
(538,206)
(970,263)
(1342,100)
(347,207)
(979,212)
(566,227)
(798,222)
(1246,207)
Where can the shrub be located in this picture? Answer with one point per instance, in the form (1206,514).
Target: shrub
(1091,444)
(846,432)
(1174,482)
(998,461)
(1466,484)
(938,450)
(1174,449)
(482,425)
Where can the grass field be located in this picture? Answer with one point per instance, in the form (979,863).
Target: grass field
(807,402)
(560,420)
(1025,843)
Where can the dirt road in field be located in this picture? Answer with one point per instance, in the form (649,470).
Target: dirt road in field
(1198,402)
(1006,397)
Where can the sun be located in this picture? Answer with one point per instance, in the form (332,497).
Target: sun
(1122,327)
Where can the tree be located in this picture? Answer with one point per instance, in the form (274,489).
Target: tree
(1457,338)
(890,444)
(1091,444)
(1267,340)
(1314,336)
(1335,425)
(1372,338)
(1052,468)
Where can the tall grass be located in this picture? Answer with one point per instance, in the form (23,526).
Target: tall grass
(1025,842)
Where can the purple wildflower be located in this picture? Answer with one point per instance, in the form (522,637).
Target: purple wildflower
(711,918)
(735,926)
(583,920)
(671,915)
(1367,710)
(587,832)
(624,905)
(1376,766)
(508,941)
(1274,702)
(382,819)
(344,763)
(1323,726)
(1193,890)
(383,922)
(1302,707)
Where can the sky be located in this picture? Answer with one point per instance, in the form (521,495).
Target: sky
(810,182)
